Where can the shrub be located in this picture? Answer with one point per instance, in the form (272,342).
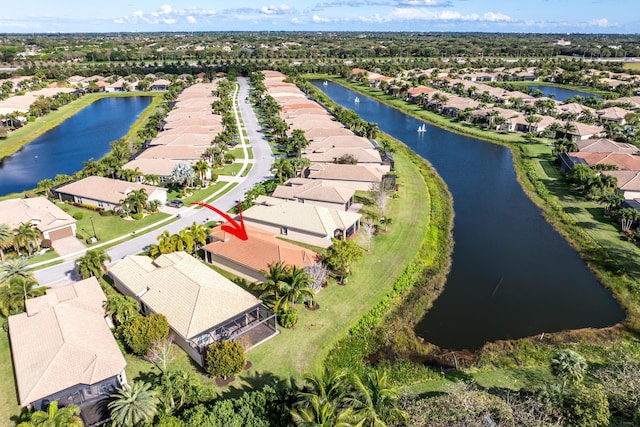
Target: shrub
(77,215)
(136,216)
(46,244)
(79,236)
(142,331)
(107,213)
(225,358)
(288,319)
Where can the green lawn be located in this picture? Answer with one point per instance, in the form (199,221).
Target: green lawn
(8,393)
(107,227)
(238,153)
(230,170)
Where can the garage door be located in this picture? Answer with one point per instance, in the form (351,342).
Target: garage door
(59,234)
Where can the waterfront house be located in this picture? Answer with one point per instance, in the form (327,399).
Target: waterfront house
(250,258)
(201,306)
(302,222)
(316,192)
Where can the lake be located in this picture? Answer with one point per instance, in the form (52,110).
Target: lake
(561,93)
(63,149)
(512,274)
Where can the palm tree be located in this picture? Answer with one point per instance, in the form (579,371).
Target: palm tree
(6,239)
(136,201)
(26,236)
(15,267)
(92,264)
(273,282)
(55,417)
(121,308)
(13,297)
(201,167)
(295,284)
(44,186)
(374,401)
(133,405)
(198,233)
(322,413)
(569,366)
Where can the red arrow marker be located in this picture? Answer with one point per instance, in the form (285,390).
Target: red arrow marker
(236,229)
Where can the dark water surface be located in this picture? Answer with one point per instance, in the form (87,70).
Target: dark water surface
(512,274)
(63,149)
(561,93)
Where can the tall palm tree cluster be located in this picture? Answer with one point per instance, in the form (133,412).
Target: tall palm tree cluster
(17,285)
(24,237)
(189,239)
(284,286)
(346,399)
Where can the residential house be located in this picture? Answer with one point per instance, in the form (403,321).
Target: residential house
(623,161)
(302,222)
(316,192)
(356,177)
(628,182)
(604,145)
(582,131)
(63,350)
(613,114)
(201,306)
(53,222)
(250,258)
(160,167)
(160,85)
(106,193)
(368,156)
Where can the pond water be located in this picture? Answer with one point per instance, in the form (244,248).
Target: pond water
(63,149)
(512,274)
(561,93)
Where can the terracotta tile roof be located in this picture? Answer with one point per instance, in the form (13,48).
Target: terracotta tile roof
(192,296)
(260,250)
(581,129)
(36,210)
(613,113)
(182,139)
(63,341)
(623,161)
(105,189)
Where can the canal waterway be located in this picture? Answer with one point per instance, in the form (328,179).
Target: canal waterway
(63,149)
(561,93)
(512,274)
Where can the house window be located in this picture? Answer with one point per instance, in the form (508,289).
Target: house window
(79,200)
(284,230)
(100,205)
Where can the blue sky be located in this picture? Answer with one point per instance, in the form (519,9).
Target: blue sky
(545,16)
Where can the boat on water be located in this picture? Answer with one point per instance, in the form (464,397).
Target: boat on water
(422,128)
(325,83)
(357,100)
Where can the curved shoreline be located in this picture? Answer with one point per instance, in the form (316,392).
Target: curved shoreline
(27,133)
(586,245)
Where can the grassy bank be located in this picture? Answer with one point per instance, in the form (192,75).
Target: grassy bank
(599,243)
(32,130)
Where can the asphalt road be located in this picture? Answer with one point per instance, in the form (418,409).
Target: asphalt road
(261,169)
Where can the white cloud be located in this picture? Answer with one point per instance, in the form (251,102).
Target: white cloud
(447,15)
(276,10)
(317,18)
(165,9)
(167,15)
(191,20)
(296,20)
(602,22)
(424,3)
